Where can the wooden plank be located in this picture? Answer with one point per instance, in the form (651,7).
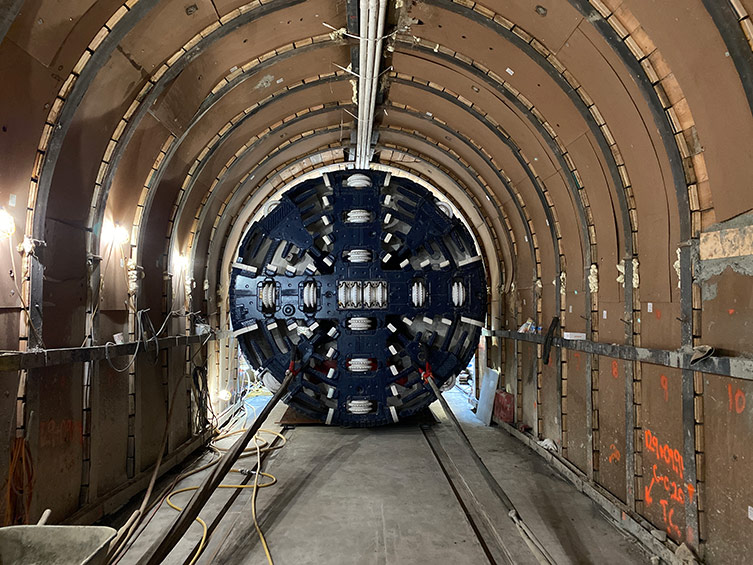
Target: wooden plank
(19,360)
(737,367)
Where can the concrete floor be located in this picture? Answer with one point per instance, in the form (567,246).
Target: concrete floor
(571,526)
(379,496)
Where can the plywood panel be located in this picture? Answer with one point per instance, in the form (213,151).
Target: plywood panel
(424,67)
(604,209)
(509,374)
(269,115)
(728,492)
(134,168)
(54,417)
(716,98)
(42,26)
(665,492)
(612,426)
(179,104)
(492,50)
(258,37)
(109,438)
(578,445)
(176,368)
(167,27)
(651,189)
(96,118)
(64,288)
(114,270)
(26,89)
(150,411)
(660,327)
(569,227)
(576,311)
(611,314)
(8,393)
(728,312)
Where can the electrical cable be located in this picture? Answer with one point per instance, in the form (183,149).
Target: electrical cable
(139,339)
(162,546)
(253,501)
(260,446)
(102,279)
(37,334)
(255,486)
(153,479)
(153,508)
(20,456)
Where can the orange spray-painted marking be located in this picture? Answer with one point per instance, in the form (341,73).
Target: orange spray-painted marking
(665,387)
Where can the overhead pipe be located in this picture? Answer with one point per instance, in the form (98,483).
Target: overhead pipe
(370,53)
(364,18)
(363,24)
(374,82)
(369,73)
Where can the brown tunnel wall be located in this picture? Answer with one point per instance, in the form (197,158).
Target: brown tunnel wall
(578,138)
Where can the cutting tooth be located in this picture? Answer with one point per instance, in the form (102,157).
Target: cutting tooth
(243,267)
(471,321)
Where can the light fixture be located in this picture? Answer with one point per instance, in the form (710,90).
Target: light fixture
(122,236)
(225,395)
(181,261)
(7,224)
(114,233)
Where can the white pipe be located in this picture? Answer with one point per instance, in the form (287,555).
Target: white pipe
(363,22)
(374,83)
(368,80)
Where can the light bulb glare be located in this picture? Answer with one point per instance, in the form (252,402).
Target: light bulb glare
(121,235)
(114,233)
(7,224)
(181,261)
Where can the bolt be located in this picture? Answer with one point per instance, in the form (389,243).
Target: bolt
(192,9)
(541,11)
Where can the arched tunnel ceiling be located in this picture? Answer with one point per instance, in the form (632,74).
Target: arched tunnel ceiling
(565,123)
(581,139)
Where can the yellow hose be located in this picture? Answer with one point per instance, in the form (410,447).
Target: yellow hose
(259,448)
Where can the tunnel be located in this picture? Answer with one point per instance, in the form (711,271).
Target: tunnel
(586,161)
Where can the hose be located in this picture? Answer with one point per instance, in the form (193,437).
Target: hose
(260,446)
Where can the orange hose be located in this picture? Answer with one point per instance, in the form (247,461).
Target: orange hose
(19,491)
